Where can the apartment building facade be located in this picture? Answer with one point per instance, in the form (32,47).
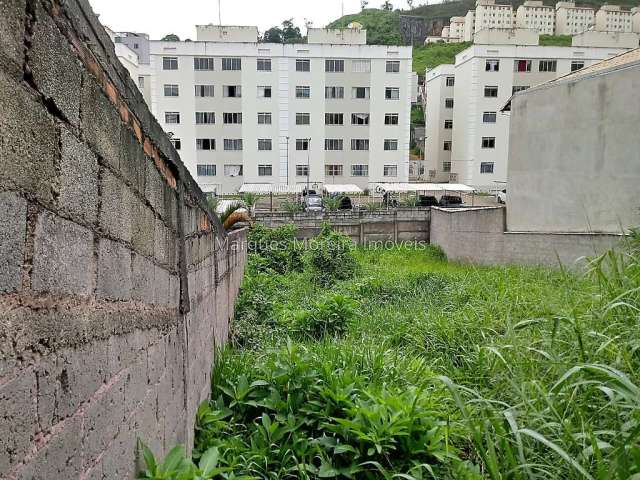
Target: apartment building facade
(537,16)
(333,110)
(489,14)
(486,76)
(439,85)
(612,18)
(572,19)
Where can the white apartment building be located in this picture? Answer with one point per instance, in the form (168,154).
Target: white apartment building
(571,19)
(635,19)
(486,75)
(456,29)
(535,15)
(333,110)
(488,14)
(612,18)
(469,25)
(439,85)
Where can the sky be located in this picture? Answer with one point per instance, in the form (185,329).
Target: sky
(161,17)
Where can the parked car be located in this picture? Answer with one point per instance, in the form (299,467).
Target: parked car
(451,201)
(502,196)
(345,204)
(312,203)
(427,201)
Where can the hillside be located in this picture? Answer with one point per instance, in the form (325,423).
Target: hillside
(434,54)
(383,27)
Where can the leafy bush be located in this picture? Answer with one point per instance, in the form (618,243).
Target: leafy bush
(278,247)
(292,207)
(332,203)
(330,315)
(330,257)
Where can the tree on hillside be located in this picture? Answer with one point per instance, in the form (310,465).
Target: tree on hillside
(387,6)
(363,4)
(172,37)
(288,33)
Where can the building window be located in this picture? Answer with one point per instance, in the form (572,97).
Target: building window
(232,91)
(231,64)
(205,143)
(446,146)
(302,144)
(391,119)
(448,103)
(486,167)
(360,144)
(203,63)
(333,92)
(171,90)
(492,65)
(264,64)
(390,144)
(450,81)
(361,66)
(303,92)
(360,92)
(390,171)
(518,88)
(264,144)
(333,170)
(393,66)
(490,91)
(170,63)
(333,144)
(334,119)
(303,119)
(392,93)
(489,117)
(303,65)
(359,170)
(204,118)
(265,170)
(448,124)
(488,142)
(446,167)
(206,170)
(522,65)
(359,119)
(576,65)
(547,65)
(232,118)
(233,170)
(204,90)
(141,82)
(334,65)
(264,118)
(172,117)
(177,144)
(264,91)
(302,170)
(233,144)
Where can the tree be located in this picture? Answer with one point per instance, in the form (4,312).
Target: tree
(172,37)
(273,35)
(410,4)
(290,33)
(363,4)
(387,6)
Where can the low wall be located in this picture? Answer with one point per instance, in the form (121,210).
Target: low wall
(116,281)
(478,236)
(400,225)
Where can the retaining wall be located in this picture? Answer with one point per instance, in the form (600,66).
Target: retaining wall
(401,225)
(116,281)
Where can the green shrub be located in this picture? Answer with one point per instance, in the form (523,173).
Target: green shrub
(329,315)
(330,257)
(332,203)
(278,247)
(292,207)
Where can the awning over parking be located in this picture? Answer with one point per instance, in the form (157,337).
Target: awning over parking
(423,187)
(343,188)
(266,188)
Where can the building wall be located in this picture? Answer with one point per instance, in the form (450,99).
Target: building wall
(535,15)
(283,105)
(337,36)
(116,282)
(635,19)
(611,18)
(488,14)
(226,33)
(575,155)
(435,115)
(571,20)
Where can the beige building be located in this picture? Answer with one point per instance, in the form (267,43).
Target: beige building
(488,14)
(439,84)
(612,18)
(571,19)
(537,16)
(469,25)
(635,19)
(456,29)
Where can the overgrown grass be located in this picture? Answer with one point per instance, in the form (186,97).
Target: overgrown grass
(414,367)
(434,54)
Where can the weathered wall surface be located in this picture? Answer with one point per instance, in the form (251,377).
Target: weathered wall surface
(393,226)
(115,280)
(414,30)
(478,236)
(574,155)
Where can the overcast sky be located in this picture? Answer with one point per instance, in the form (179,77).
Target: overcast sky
(160,17)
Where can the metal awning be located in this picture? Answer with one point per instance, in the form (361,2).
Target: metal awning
(423,187)
(267,188)
(345,188)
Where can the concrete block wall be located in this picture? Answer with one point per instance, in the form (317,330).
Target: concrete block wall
(478,236)
(116,282)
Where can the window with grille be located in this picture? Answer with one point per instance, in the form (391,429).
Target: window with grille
(233,144)
(233,170)
(576,65)
(303,119)
(450,81)
(359,170)
(446,146)
(334,65)
(333,92)
(303,65)
(361,66)
(171,91)
(265,170)
(522,65)
(177,144)
(302,170)
(170,63)
(359,119)
(446,167)
(448,103)
(205,118)
(206,170)
(333,118)
(264,91)
(486,167)
(391,144)
(205,144)
(391,119)
(360,92)
(204,90)
(302,144)
(390,171)
(518,88)
(264,144)
(232,118)
(492,65)
(303,92)
(547,65)
(333,170)
(264,64)
(264,118)
(490,91)
(488,142)
(172,117)
(393,66)
(333,144)
(203,63)
(231,64)
(448,124)
(232,91)
(360,144)
(392,93)
(489,117)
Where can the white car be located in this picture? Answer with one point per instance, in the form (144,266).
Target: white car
(502,196)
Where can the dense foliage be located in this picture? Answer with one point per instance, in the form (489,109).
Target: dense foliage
(383,26)
(434,54)
(419,368)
